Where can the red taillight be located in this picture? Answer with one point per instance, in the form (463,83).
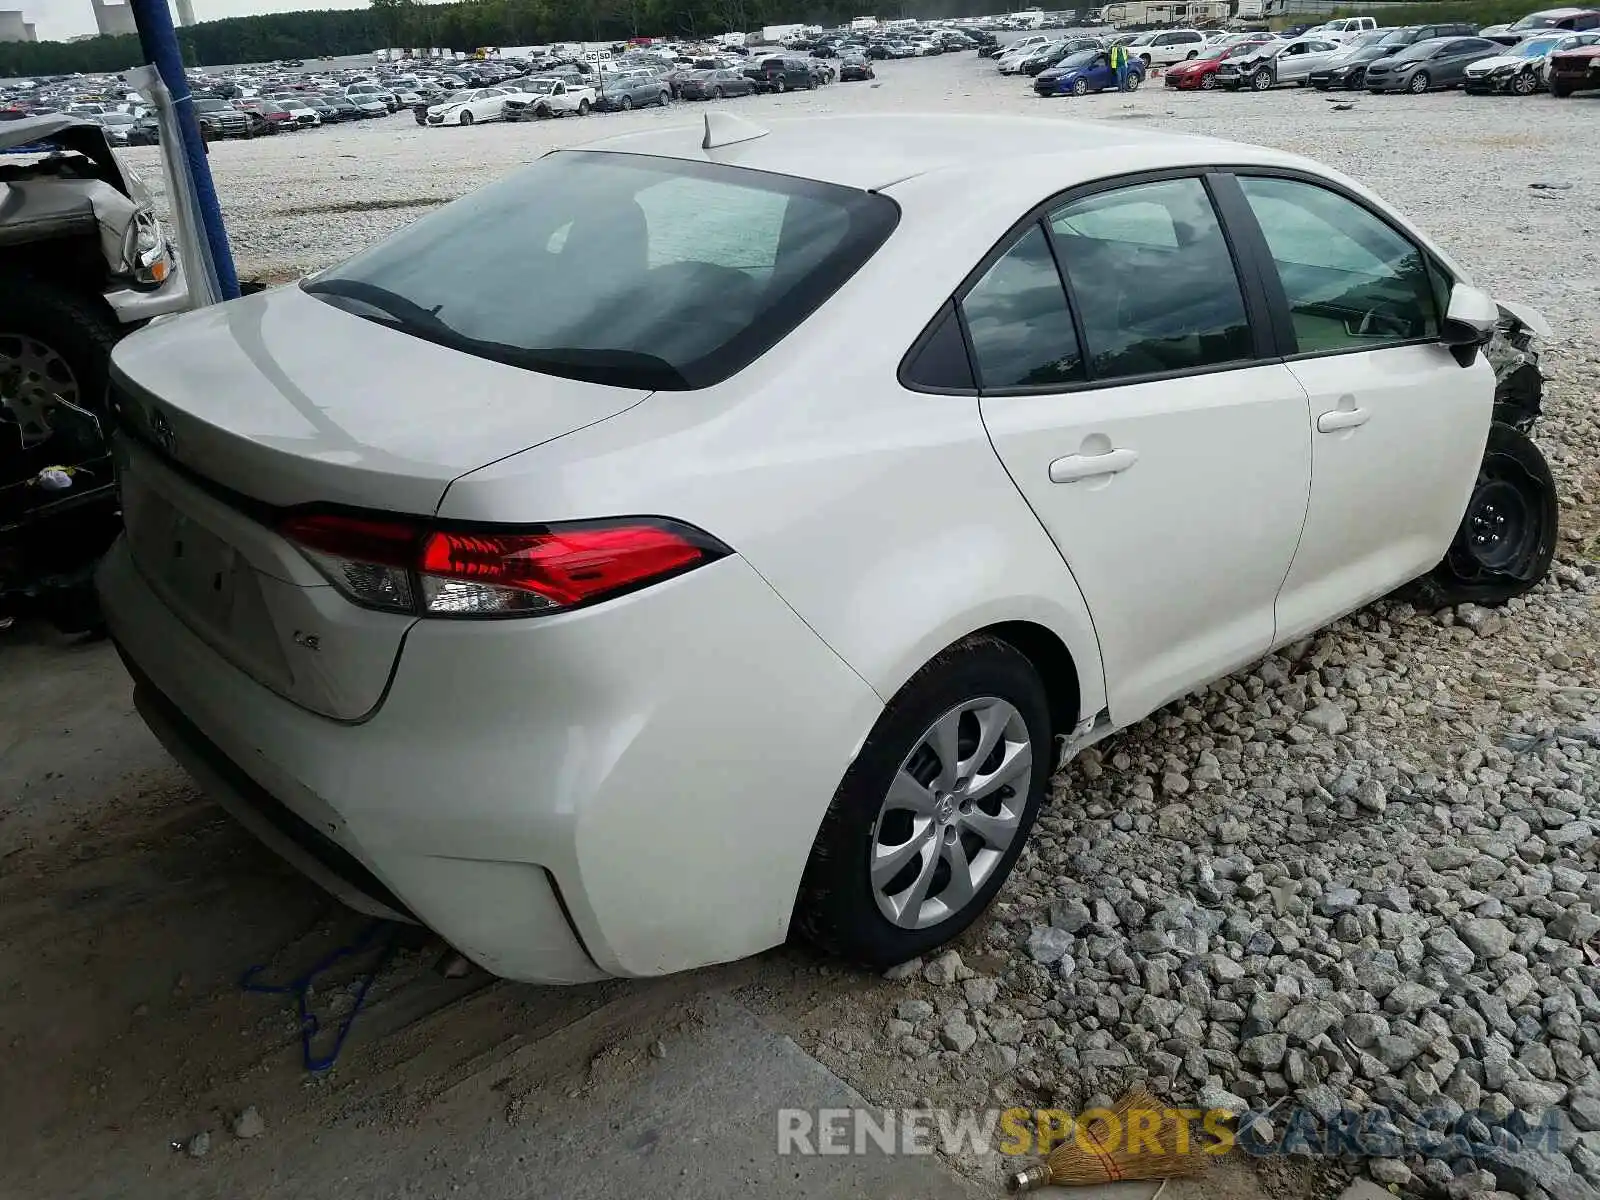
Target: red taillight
(379,562)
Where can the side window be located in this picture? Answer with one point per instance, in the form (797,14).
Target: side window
(1352,281)
(1153,280)
(1018,320)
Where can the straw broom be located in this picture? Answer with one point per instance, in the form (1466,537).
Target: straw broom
(1102,1151)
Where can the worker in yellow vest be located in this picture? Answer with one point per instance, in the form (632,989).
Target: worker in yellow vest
(1119,66)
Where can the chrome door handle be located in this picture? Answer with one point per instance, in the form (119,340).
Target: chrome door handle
(1336,419)
(1091,466)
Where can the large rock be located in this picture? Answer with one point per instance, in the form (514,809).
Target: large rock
(1489,939)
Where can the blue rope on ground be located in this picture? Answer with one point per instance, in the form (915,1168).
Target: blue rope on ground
(297,987)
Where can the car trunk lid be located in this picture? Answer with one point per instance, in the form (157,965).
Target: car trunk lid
(240,411)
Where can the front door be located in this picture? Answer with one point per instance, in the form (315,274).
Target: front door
(1168,462)
(1364,311)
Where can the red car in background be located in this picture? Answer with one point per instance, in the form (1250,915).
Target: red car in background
(1202,72)
(1574,70)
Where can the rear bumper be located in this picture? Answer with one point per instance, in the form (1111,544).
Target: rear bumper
(618,791)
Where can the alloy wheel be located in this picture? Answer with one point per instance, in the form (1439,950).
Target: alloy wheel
(1418,83)
(1209,82)
(1525,83)
(951,812)
(32,377)
(1080,87)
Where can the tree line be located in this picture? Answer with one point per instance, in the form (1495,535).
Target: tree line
(465,26)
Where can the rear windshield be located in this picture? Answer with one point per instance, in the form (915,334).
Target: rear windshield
(618,268)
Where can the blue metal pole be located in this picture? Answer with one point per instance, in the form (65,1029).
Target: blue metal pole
(159,41)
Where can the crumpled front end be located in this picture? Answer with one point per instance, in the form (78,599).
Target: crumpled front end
(1514,353)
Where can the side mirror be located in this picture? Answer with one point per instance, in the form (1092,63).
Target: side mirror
(1469,322)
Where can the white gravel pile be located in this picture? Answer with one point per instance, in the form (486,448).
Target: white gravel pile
(1364,874)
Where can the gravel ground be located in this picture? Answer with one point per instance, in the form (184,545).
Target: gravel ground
(1365,873)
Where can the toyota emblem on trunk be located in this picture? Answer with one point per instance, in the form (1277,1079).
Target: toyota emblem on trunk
(161,431)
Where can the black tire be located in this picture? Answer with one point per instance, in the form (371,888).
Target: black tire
(1526,83)
(1261,80)
(77,327)
(1418,83)
(466,117)
(1513,505)
(783,84)
(1080,86)
(716,93)
(1134,80)
(625,103)
(1559,90)
(541,112)
(664,99)
(583,108)
(836,909)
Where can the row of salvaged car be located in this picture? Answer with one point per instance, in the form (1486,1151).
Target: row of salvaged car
(1558,51)
(555,95)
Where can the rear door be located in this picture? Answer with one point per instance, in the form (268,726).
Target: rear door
(1455,57)
(1398,427)
(1137,413)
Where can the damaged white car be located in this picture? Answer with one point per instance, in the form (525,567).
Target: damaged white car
(602,640)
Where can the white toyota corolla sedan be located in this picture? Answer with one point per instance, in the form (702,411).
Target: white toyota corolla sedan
(744,582)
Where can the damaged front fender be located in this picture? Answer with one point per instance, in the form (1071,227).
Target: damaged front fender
(1514,353)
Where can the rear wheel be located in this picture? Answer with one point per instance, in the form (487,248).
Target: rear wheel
(934,811)
(1507,539)
(1418,83)
(1135,78)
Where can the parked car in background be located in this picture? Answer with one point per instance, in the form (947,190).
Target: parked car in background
(270,111)
(470,107)
(1575,20)
(1084,72)
(1201,72)
(1170,46)
(480,619)
(1575,70)
(1278,62)
(1347,70)
(545,97)
(304,116)
(787,73)
(621,90)
(1342,29)
(1521,69)
(368,104)
(855,67)
(715,85)
(219,119)
(1429,65)
(117,125)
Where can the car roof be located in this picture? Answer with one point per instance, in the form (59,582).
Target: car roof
(875,151)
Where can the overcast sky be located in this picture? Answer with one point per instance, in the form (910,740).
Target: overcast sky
(59,19)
